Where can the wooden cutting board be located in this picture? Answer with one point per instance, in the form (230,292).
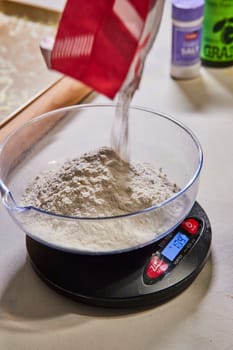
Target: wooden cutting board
(65,92)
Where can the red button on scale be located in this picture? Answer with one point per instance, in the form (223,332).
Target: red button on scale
(190,225)
(156,267)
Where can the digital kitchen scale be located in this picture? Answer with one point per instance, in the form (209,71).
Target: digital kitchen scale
(142,277)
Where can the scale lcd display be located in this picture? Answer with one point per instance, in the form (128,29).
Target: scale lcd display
(175,246)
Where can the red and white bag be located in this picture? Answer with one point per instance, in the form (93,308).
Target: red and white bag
(104,43)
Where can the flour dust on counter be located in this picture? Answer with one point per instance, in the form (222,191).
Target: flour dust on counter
(23,74)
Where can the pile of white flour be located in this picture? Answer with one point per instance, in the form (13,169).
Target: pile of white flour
(98,184)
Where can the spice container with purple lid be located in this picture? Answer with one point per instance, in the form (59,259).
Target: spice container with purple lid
(187,17)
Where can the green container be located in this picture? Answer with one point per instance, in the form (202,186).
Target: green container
(217,33)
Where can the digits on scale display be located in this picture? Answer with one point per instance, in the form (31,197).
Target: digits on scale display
(175,246)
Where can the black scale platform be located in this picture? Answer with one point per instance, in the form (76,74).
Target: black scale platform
(142,277)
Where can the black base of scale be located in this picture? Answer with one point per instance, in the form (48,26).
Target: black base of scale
(142,277)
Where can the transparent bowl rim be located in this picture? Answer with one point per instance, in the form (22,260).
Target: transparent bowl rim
(14,207)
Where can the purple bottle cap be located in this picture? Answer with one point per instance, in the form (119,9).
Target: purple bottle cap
(187,10)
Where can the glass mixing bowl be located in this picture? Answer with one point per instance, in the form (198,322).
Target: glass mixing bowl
(50,139)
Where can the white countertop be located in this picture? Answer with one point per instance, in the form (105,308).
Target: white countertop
(33,317)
